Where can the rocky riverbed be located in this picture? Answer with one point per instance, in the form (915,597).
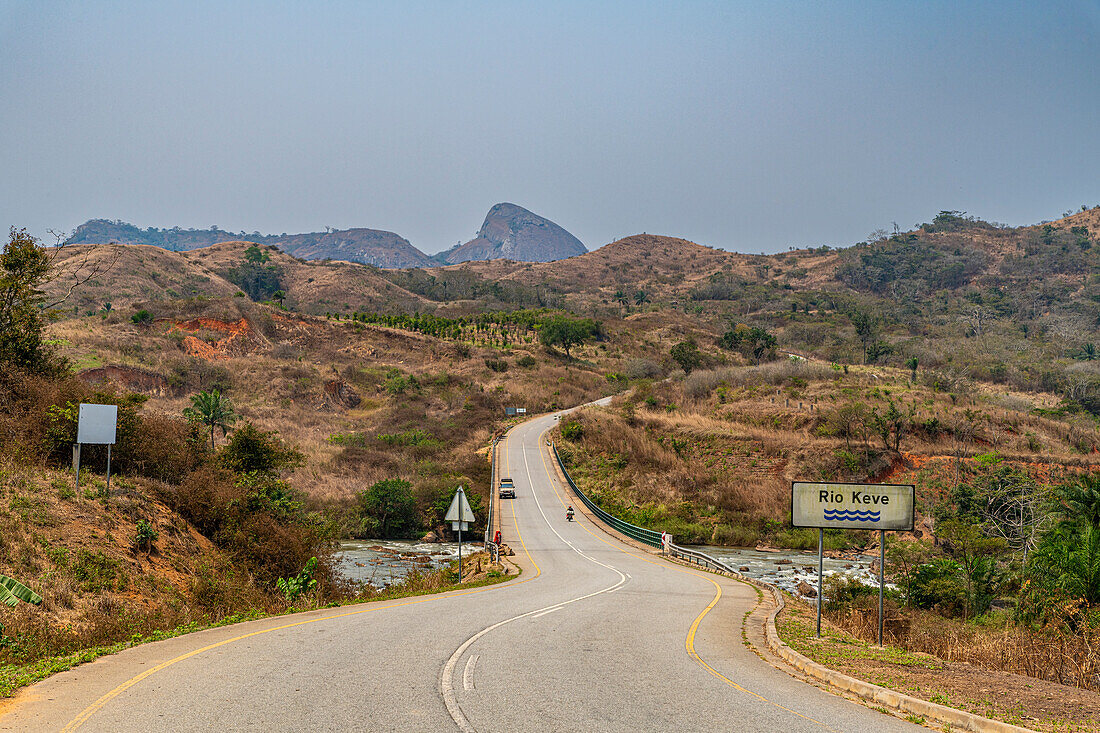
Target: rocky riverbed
(794,571)
(385,562)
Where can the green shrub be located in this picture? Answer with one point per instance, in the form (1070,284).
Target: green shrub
(142,318)
(409,437)
(572,430)
(388,510)
(145,535)
(304,582)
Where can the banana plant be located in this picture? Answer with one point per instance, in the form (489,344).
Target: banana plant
(12,591)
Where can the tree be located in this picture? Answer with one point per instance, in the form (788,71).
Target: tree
(279,296)
(906,556)
(977,556)
(258,279)
(254,450)
(687,355)
(389,509)
(1088,352)
(753,342)
(213,410)
(567,332)
(24,269)
(912,363)
(867,327)
(641,297)
(142,318)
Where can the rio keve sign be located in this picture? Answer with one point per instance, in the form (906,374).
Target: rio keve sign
(852,506)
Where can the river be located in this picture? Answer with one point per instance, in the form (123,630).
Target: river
(787,568)
(385,562)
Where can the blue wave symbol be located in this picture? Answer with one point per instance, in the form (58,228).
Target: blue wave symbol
(853,515)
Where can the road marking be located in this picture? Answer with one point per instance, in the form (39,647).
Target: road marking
(558,608)
(468,673)
(689,643)
(446,678)
(95,707)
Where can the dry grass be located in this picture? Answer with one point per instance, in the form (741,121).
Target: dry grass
(996,643)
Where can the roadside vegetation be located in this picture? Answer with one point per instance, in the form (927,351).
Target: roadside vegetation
(270,407)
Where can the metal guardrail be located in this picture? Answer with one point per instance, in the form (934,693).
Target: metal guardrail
(701,559)
(492,547)
(648,536)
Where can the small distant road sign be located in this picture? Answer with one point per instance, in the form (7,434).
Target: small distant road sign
(513,411)
(852,506)
(521,410)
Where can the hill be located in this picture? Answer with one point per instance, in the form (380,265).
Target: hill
(513,233)
(367,246)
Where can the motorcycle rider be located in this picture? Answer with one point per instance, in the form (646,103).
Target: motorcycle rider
(569,513)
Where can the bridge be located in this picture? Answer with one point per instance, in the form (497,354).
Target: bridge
(596,634)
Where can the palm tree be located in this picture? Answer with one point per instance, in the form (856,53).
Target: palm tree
(1088,352)
(210,408)
(641,297)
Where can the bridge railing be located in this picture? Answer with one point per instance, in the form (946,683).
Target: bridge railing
(648,536)
(701,559)
(491,546)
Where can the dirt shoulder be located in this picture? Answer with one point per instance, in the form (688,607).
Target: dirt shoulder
(1012,698)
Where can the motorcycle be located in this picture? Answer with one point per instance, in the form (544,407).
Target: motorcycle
(569,516)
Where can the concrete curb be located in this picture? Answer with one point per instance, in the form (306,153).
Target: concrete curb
(874,693)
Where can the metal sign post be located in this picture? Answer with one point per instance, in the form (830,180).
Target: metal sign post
(881,578)
(852,506)
(460,515)
(820,573)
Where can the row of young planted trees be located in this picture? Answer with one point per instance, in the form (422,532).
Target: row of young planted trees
(503,328)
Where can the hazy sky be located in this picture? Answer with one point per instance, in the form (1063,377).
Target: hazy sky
(749,126)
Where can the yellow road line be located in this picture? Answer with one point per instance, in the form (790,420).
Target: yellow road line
(95,707)
(689,643)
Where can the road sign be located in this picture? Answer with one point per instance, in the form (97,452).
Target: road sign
(459,515)
(852,506)
(460,511)
(96,424)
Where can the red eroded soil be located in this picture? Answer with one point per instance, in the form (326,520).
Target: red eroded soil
(240,338)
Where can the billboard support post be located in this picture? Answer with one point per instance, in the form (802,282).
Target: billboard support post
(820,572)
(881,578)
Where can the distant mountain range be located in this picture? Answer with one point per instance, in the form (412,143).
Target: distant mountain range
(509,232)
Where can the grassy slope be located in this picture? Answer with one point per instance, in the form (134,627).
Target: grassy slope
(711,458)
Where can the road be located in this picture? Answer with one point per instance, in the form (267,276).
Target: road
(595,635)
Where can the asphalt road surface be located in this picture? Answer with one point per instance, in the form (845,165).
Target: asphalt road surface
(594,636)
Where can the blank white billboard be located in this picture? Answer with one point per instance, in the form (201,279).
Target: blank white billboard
(97,424)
